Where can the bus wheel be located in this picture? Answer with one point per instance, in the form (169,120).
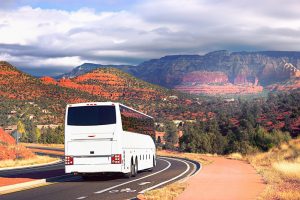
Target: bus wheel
(135,168)
(154,162)
(131,172)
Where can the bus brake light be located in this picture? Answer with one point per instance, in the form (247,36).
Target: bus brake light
(69,160)
(116,159)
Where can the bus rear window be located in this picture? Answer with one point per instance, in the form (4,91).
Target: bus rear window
(91,115)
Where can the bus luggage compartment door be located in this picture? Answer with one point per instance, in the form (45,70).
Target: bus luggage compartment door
(89,148)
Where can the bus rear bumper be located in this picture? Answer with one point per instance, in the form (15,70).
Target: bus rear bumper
(85,169)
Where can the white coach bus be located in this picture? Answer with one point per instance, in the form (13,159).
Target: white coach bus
(108,137)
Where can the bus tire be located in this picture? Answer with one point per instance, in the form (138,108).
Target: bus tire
(135,167)
(131,171)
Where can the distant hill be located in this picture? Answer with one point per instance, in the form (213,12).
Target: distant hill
(45,99)
(87,67)
(238,68)
(218,72)
(116,85)
(112,84)
(18,86)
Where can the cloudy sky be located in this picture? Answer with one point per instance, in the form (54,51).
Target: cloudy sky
(53,36)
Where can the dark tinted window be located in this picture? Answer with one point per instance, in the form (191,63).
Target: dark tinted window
(133,121)
(91,115)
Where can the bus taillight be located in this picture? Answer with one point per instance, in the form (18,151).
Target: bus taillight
(69,160)
(116,159)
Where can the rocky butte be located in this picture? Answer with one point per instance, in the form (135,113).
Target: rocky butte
(219,72)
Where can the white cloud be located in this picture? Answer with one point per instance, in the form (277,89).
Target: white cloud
(152,28)
(63,62)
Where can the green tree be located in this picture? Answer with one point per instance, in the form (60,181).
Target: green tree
(262,139)
(21,127)
(31,137)
(21,130)
(37,132)
(171,135)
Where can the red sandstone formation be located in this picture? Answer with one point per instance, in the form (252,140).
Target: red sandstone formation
(220,89)
(204,82)
(205,77)
(290,85)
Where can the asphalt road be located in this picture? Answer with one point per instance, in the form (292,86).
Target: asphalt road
(112,187)
(52,150)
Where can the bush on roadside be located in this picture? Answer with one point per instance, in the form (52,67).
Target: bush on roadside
(13,152)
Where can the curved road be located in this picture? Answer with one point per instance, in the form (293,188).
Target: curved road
(111,187)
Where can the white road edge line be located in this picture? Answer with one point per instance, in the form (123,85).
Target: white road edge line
(107,189)
(144,183)
(82,197)
(200,168)
(195,168)
(174,178)
(190,174)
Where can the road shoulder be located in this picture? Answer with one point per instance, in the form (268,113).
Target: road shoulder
(224,179)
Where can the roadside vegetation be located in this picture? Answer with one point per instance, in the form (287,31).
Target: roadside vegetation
(166,193)
(31,134)
(29,161)
(14,155)
(191,156)
(280,168)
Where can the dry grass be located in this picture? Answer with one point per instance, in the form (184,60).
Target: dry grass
(24,162)
(280,168)
(289,170)
(61,146)
(235,156)
(192,156)
(166,193)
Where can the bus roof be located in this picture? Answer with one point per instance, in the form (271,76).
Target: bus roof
(104,104)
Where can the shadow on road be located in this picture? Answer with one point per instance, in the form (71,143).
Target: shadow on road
(58,175)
